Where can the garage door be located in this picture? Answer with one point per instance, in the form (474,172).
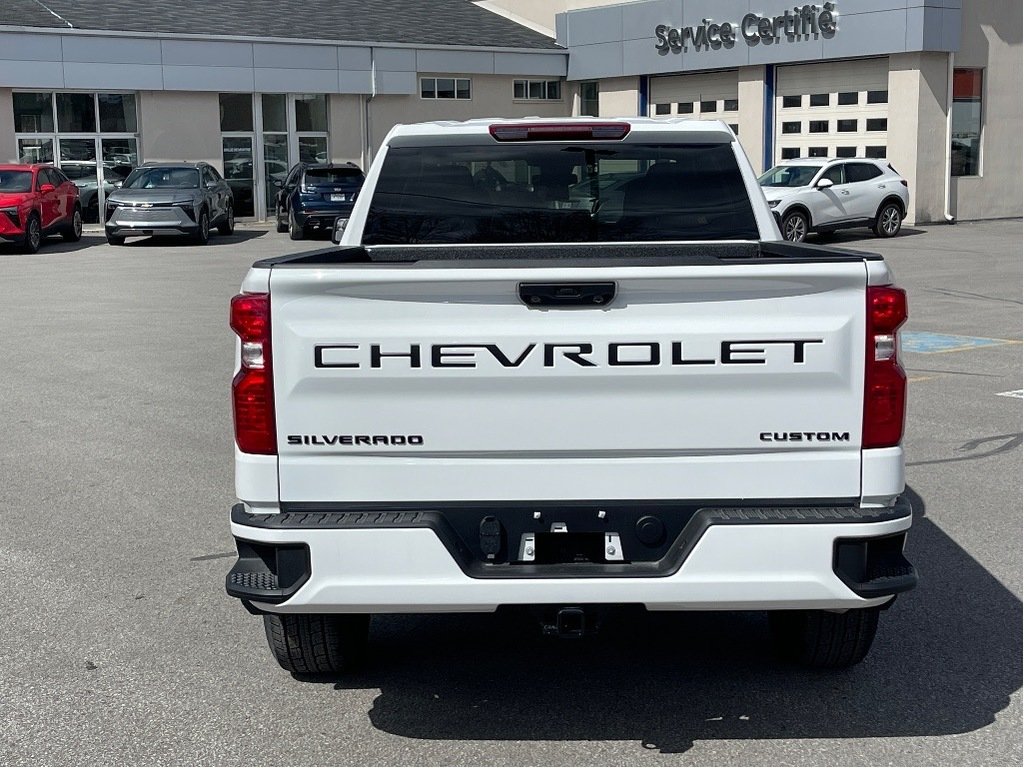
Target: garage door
(832,109)
(707,96)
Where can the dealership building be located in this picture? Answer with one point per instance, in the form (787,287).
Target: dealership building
(253,87)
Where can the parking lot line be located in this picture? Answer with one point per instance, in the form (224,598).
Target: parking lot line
(928,343)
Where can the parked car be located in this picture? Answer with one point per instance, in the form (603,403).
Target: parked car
(37,201)
(822,195)
(313,195)
(170,199)
(83,174)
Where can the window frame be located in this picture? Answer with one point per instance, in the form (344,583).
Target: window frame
(455,89)
(545,89)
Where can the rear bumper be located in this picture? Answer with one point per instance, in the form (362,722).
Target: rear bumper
(723,558)
(320,218)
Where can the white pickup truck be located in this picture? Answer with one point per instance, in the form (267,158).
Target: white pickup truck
(567,364)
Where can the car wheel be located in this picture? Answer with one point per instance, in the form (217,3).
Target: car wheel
(318,644)
(115,240)
(795,227)
(888,221)
(33,235)
(822,639)
(202,236)
(294,230)
(282,225)
(72,233)
(227,226)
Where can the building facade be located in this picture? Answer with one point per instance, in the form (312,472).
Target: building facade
(934,86)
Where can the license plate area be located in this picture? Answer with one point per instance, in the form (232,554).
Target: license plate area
(566,548)
(339,198)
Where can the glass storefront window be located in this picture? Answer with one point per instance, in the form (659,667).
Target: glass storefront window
(76,113)
(117,113)
(93,139)
(275,164)
(238,171)
(313,149)
(236,112)
(275,112)
(965,150)
(35,150)
(33,113)
(311,113)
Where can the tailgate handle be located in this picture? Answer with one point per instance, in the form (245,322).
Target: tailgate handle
(541,295)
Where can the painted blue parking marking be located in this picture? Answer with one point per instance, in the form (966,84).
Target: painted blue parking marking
(925,342)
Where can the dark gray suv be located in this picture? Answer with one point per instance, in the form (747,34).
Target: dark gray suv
(170,199)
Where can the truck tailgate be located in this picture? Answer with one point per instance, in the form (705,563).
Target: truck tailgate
(419,383)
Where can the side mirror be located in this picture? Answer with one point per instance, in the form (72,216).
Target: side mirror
(824,183)
(278,183)
(44,188)
(339,230)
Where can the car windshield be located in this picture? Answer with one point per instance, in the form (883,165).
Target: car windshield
(335,177)
(15,181)
(788,176)
(557,193)
(163,178)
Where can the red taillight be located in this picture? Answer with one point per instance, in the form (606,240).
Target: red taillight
(252,391)
(559,131)
(885,383)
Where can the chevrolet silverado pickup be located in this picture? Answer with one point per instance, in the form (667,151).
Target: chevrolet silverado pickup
(567,365)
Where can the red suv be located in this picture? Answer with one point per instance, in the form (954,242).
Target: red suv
(37,201)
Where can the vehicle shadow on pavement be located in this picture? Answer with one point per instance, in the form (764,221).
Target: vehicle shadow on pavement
(54,245)
(216,239)
(846,236)
(946,660)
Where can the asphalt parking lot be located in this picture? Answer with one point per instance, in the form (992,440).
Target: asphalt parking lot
(120,646)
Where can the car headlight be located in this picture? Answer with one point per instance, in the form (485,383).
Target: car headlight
(773,203)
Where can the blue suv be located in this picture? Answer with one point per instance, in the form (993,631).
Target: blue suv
(313,195)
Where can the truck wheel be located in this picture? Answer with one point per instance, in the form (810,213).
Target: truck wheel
(888,221)
(317,644)
(824,640)
(794,227)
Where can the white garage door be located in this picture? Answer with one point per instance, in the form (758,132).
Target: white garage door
(832,109)
(708,96)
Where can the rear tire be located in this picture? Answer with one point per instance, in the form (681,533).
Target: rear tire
(795,227)
(73,232)
(282,226)
(888,221)
(227,226)
(824,640)
(318,644)
(33,235)
(115,240)
(295,232)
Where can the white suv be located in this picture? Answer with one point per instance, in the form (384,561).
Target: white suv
(822,195)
